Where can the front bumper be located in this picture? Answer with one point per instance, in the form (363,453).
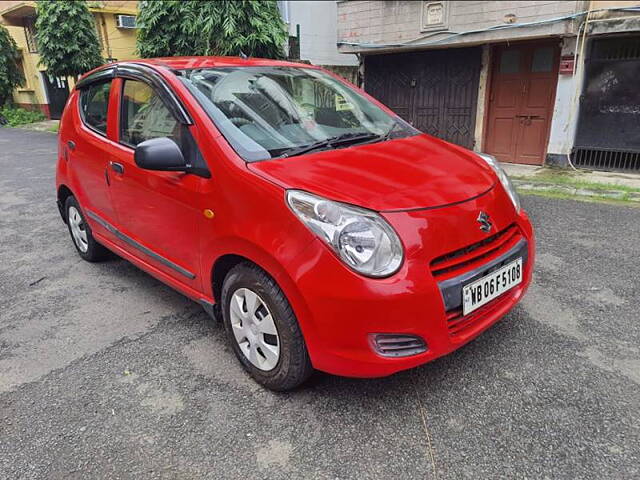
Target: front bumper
(340,309)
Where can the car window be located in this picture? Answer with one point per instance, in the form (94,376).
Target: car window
(268,112)
(94,103)
(144,116)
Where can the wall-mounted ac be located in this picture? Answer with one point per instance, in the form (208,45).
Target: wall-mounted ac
(126,21)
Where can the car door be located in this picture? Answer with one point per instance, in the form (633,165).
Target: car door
(87,148)
(158,211)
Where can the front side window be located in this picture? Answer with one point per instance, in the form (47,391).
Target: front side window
(268,112)
(94,104)
(144,115)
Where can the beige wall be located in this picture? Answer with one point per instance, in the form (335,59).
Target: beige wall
(395,21)
(32,92)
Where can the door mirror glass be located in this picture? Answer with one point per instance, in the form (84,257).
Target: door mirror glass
(160,153)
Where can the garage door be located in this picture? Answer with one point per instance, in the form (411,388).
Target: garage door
(436,91)
(609,121)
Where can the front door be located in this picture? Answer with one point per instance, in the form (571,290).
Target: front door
(57,93)
(158,211)
(521,96)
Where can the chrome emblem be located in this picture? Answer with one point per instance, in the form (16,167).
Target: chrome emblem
(485,222)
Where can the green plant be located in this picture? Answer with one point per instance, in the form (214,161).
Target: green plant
(224,27)
(10,74)
(20,116)
(67,39)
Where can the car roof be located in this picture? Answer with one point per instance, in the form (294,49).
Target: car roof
(184,63)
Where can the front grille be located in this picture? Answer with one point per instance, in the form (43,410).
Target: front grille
(392,345)
(600,159)
(461,258)
(463,266)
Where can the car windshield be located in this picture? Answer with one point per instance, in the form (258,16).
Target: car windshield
(270,112)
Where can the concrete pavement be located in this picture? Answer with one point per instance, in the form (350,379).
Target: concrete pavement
(107,373)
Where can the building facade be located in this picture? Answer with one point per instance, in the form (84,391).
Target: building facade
(529,82)
(114,24)
(313,36)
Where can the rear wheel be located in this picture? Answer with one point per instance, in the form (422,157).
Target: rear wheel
(85,244)
(263,329)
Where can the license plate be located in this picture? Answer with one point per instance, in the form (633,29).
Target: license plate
(480,292)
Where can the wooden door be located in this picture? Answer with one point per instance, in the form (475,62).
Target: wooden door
(521,97)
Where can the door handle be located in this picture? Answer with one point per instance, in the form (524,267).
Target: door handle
(117,167)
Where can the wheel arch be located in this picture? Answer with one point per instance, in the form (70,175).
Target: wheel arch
(63,193)
(283,270)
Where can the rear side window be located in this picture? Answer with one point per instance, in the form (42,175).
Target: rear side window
(144,116)
(94,104)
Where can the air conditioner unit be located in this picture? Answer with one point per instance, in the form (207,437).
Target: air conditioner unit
(126,21)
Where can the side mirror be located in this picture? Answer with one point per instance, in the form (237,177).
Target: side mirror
(160,154)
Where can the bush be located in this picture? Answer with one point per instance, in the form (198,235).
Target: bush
(20,116)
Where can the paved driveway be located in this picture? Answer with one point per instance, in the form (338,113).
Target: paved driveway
(105,372)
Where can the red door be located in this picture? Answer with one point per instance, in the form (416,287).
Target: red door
(86,143)
(158,212)
(523,87)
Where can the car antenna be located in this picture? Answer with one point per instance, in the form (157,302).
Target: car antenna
(243,55)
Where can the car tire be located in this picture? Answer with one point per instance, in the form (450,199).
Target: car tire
(80,232)
(249,323)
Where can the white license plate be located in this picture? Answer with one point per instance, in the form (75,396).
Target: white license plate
(480,292)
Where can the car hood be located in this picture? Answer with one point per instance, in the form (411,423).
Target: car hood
(402,174)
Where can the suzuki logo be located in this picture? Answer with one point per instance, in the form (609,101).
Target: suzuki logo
(485,222)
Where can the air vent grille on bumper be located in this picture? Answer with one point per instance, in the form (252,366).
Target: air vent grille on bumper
(392,345)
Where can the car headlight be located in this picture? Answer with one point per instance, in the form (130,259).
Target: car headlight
(504,179)
(361,238)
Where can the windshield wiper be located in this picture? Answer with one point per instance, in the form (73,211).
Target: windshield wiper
(330,142)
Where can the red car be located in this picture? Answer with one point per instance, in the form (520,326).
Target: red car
(325,231)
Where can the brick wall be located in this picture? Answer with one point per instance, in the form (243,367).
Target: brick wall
(396,21)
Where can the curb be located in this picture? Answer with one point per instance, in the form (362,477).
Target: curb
(575,191)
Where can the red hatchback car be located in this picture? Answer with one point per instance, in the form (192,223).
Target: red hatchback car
(325,231)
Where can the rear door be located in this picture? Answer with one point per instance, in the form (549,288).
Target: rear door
(88,147)
(158,212)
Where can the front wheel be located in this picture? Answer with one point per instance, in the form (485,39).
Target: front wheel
(263,329)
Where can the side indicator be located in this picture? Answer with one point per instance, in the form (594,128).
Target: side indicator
(208,213)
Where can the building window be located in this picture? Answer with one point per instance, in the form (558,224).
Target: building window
(30,34)
(20,65)
(435,16)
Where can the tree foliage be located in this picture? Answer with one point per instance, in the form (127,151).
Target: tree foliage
(67,39)
(10,74)
(200,27)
